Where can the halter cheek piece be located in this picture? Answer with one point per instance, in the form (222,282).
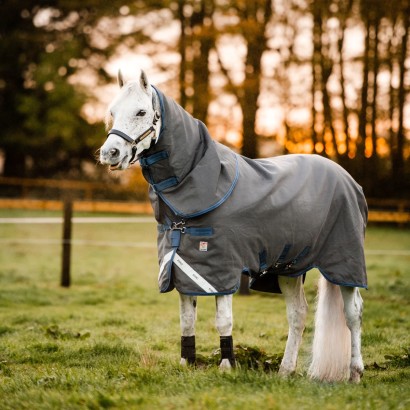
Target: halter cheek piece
(137,140)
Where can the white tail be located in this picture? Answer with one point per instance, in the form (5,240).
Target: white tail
(331,350)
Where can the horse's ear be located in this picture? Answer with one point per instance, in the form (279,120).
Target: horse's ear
(120,79)
(144,81)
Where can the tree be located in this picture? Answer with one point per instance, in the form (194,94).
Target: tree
(398,171)
(204,34)
(44,46)
(197,39)
(377,111)
(253,18)
(356,117)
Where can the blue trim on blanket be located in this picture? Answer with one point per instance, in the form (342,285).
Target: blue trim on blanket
(175,238)
(283,254)
(166,183)
(190,230)
(262,260)
(146,162)
(246,271)
(199,231)
(212,207)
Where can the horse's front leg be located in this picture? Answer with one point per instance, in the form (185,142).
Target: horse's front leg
(224,323)
(187,310)
(296,309)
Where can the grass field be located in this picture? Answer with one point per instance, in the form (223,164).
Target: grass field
(111,341)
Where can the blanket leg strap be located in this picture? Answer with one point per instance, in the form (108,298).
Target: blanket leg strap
(227,349)
(188,348)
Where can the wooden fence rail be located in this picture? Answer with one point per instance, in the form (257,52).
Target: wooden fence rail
(78,206)
(380,210)
(400,217)
(88,188)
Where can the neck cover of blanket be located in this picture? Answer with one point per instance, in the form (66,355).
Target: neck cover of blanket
(221,214)
(186,169)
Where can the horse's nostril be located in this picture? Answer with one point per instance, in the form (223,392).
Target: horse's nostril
(114,152)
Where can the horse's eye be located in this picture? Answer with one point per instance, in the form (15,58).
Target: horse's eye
(141,113)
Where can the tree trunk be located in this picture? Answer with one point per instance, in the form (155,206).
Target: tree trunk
(254,34)
(398,156)
(372,170)
(390,63)
(204,41)
(345,114)
(360,144)
(317,74)
(249,108)
(182,47)
(375,90)
(327,109)
(14,162)
(326,67)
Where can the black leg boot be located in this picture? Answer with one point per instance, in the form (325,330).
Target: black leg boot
(227,349)
(188,348)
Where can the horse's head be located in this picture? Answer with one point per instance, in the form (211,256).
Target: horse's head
(135,119)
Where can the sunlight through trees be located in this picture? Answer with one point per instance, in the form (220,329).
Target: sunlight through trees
(268,77)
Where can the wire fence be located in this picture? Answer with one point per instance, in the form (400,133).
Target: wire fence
(115,244)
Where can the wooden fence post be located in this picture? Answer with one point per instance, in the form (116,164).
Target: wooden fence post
(66,257)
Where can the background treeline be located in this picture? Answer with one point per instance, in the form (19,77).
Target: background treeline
(268,78)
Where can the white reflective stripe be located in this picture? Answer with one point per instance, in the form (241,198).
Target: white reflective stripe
(166,259)
(193,274)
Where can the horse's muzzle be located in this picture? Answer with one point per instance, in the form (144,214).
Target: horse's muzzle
(112,157)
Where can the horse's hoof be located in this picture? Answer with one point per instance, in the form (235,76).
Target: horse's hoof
(225,365)
(356,372)
(283,372)
(355,376)
(184,362)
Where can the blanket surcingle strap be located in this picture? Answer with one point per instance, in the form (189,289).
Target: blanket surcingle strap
(221,214)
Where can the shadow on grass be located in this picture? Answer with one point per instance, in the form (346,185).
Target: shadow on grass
(246,357)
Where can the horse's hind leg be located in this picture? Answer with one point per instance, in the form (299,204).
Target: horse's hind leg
(224,324)
(187,309)
(353,308)
(296,309)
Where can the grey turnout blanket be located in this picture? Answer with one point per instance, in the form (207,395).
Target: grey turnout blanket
(221,214)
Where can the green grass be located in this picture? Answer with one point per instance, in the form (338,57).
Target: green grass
(111,341)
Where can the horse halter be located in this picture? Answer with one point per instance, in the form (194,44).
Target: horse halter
(142,136)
